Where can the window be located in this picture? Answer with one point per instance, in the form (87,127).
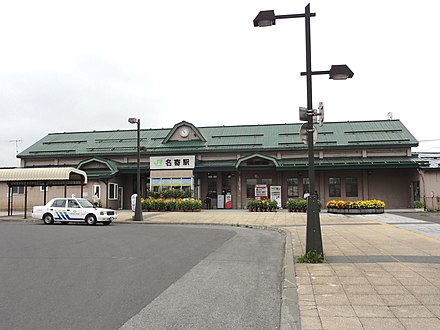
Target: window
(59,203)
(18,190)
(351,187)
(292,187)
(250,187)
(97,190)
(416,190)
(112,191)
(334,187)
(163,184)
(306,185)
(72,203)
(267,182)
(226,183)
(212,185)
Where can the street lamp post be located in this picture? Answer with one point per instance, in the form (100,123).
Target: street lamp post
(336,72)
(138,208)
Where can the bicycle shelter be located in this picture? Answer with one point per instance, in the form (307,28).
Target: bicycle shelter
(44,177)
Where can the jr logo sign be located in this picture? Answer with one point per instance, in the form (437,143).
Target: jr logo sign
(172,162)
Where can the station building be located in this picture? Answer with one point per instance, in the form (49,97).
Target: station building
(356,160)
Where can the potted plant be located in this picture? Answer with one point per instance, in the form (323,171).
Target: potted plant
(146,204)
(196,205)
(273,204)
(251,205)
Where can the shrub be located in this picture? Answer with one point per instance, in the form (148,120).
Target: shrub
(273,204)
(170,193)
(171,204)
(419,205)
(146,204)
(296,204)
(196,204)
(252,204)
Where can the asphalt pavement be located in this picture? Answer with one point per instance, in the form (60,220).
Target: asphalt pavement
(138,277)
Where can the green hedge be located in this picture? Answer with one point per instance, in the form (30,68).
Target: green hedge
(172,204)
(297,205)
(170,193)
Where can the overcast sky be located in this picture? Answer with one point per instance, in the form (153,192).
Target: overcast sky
(89,65)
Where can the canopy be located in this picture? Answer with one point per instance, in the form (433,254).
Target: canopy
(53,176)
(44,176)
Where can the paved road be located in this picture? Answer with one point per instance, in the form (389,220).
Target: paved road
(417,222)
(143,276)
(424,216)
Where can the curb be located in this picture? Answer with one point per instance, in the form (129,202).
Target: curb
(290,314)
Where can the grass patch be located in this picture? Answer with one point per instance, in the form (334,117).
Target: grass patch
(311,257)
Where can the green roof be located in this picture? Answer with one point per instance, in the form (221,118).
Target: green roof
(353,163)
(246,138)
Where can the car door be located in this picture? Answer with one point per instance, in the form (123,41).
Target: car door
(74,211)
(58,209)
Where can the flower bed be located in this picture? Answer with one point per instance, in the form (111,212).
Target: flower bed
(264,205)
(358,207)
(171,205)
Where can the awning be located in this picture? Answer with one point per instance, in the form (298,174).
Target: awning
(43,176)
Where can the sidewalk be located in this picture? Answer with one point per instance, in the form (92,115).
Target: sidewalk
(376,275)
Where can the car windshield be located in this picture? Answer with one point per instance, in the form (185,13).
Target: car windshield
(85,203)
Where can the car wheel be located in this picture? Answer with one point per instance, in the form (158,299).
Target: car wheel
(106,223)
(91,220)
(48,219)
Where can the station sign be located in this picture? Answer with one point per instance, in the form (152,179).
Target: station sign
(172,162)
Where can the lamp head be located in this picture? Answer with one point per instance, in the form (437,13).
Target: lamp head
(265,18)
(340,72)
(132,120)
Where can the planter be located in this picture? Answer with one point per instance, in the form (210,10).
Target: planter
(356,211)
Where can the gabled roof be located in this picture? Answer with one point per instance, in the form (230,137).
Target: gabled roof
(243,159)
(184,123)
(244,138)
(109,168)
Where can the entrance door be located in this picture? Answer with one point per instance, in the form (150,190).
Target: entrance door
(415,191)
(120,198)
